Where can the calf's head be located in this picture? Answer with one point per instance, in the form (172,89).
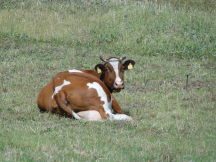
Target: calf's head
(112,72)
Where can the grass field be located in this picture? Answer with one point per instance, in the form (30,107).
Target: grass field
(168,40)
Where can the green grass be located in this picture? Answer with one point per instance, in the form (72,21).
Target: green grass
(167,39)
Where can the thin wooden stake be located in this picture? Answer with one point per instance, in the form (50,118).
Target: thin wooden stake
(187,82)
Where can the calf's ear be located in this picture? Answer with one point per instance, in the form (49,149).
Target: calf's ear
(128,64)
(99,68)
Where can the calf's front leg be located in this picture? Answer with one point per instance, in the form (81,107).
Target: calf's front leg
(115,106)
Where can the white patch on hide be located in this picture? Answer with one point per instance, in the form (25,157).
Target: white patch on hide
(75,71)
(58,88)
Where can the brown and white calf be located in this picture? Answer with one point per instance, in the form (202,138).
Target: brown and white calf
(87,94)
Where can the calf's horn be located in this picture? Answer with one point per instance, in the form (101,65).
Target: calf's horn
(122,58)
(102,59)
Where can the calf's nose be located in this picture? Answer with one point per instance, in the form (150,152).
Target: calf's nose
(119,84)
